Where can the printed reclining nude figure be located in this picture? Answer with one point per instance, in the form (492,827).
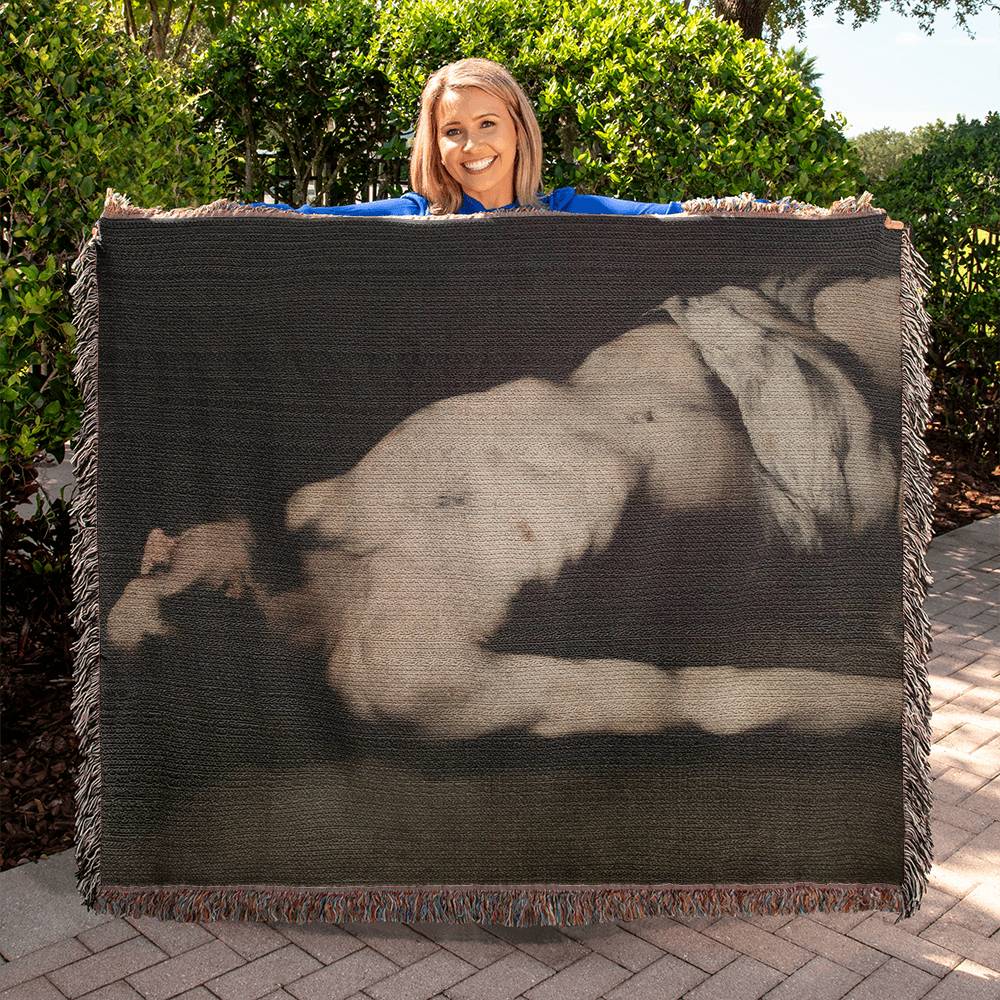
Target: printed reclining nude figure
(422,546)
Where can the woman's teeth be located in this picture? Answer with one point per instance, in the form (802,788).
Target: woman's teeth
(478,166)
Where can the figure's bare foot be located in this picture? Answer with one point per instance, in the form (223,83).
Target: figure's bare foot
(216,554)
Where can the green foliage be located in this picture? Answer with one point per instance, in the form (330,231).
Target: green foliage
(647,102)
(318,84)
(805,65)
(781,16)
(83,111)
(307,79)
(174,32)
(420,36)
(882,150)
(949,193)
(634,97)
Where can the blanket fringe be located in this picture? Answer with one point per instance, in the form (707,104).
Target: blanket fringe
(917,530)
(510,905)
(746,204)
(118,206)
(86,646)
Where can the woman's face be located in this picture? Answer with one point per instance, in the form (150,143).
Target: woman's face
(471,126)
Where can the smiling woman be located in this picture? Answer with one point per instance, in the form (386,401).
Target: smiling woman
(477,148)
(478,144)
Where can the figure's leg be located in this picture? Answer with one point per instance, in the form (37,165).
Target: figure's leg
(554,697)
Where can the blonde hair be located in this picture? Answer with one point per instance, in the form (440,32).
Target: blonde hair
(427,173)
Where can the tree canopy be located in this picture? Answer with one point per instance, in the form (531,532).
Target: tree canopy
(175,29)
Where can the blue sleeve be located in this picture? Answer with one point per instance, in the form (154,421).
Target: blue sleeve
(409,204)
(567,200)
(597,204)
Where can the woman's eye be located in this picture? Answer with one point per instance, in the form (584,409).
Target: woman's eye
(486,121)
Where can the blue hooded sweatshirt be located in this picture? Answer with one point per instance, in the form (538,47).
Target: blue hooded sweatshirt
(564,199)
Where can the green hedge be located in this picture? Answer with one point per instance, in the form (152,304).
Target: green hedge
(82,111)
(635,98)
(647,102)
(949,193)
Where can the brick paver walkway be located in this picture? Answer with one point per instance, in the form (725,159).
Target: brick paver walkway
(54,948)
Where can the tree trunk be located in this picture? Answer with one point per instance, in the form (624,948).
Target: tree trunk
(180,56)
(748,14)
(298,161)
(300,177)
(331,178)
(317,173)
(131,28)
(568,134)
(159,28)
(250,140)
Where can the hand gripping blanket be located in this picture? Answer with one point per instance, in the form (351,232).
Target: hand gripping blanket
(514,568)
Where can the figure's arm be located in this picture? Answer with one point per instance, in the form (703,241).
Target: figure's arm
(215,555)
(409,204)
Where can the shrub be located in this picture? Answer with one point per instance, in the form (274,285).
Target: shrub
(306,79)
(949,193)
(881,150)
(83,110)
(651,103)
(635,98)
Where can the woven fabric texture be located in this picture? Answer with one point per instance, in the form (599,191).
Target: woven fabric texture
(521,568)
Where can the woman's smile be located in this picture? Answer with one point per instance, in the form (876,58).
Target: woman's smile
(478,166)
